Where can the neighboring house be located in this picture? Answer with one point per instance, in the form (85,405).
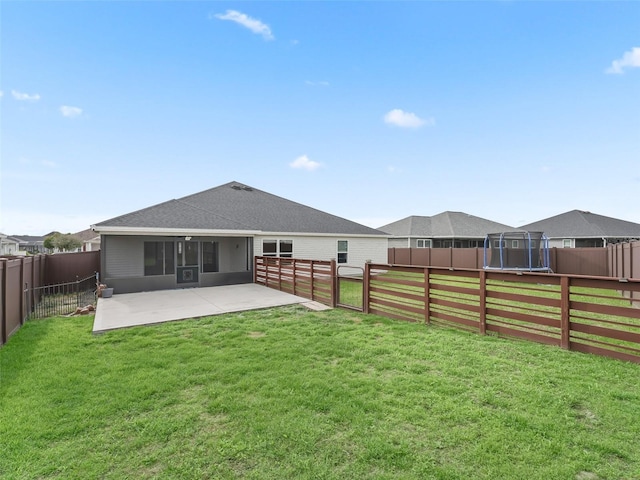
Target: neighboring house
(447,229)
(30,244)
(210,238)
(90,240)
(577,228)
(9,245)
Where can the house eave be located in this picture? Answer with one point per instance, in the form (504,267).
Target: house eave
(184,232)
(172,232)
(315,234)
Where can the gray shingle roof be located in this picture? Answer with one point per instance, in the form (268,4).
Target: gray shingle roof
(445,225)
(235,206)
(580,224)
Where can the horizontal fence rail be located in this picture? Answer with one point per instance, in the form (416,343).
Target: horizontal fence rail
(312,279)
(598,315)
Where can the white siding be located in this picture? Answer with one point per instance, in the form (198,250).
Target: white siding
(361,249)
(559,242)
(398,242)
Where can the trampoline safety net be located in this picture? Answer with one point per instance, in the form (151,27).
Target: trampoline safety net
(517,251)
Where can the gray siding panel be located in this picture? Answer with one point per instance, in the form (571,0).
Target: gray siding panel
(123,268)
(125,257)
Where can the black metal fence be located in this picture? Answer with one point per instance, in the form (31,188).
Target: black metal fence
(60,299)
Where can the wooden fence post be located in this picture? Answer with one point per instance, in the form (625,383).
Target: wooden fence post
(23,296)
(427,292)
(279,263)
(255,269)
(3,304)
(334,284)
(483,302)
(295,277)
(564,312)
(366,283)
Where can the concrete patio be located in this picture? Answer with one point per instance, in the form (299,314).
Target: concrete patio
(146,308)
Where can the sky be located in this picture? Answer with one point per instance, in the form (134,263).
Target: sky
(513,111)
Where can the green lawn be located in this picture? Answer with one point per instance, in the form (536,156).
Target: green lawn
(288,393)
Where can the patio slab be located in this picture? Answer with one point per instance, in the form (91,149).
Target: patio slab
(146,308)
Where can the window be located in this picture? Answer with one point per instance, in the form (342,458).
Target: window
(286,248)
(343,248)
(270,248)
(499,243)
(566,243)
(423,243)
(277,248)
(158,258)
(515,244)
(210,257)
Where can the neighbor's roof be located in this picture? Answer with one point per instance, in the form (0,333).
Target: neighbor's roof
(445,225)
(28,239)
(86,235)
(580,224)
(236,207)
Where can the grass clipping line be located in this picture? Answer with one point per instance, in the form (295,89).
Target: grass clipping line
(290,393)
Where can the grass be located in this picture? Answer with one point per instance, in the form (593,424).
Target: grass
(350,293)
(289,393)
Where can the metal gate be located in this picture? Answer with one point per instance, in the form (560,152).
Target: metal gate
(60,299)
(350,293)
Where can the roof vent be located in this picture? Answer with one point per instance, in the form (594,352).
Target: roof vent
(236,187)
(247,189)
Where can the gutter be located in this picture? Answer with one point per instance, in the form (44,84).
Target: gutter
(184,232)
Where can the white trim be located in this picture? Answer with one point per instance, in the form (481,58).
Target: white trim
(183,232)
(315,234)
(172,232)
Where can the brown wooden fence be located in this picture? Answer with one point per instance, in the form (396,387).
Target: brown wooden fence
(312,279)
(598,315)
(621,260)
(20,274)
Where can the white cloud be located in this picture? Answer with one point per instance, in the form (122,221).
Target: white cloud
(256,26)
(304,163)
(25,96)
(1,94)
(35,163)
(630,59)
(400,118)
(70,112)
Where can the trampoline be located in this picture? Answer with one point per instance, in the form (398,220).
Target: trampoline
(524,251)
